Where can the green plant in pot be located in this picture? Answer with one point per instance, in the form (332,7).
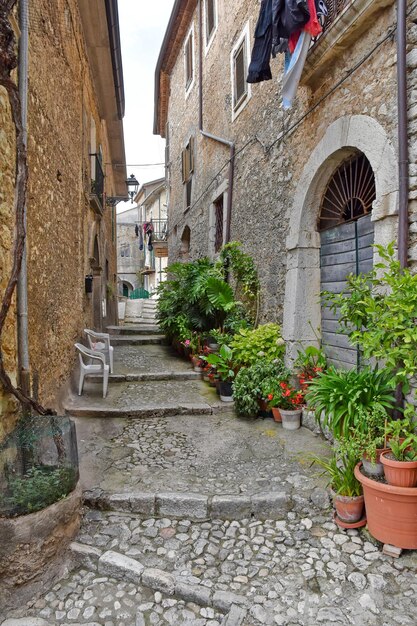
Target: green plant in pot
(339,398)
(254,383)
(400,462)
(223,362)
(369,434)
(346,489)
(262,343)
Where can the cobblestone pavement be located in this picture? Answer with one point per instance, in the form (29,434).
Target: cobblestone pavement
(301,570)
(149,359)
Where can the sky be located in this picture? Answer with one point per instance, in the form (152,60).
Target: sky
(142,28)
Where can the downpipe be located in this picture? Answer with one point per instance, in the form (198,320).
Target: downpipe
(402,132)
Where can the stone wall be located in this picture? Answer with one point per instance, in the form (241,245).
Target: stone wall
(267,178)
(66,237)
(7,171)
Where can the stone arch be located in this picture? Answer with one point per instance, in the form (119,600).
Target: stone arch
(185,243)
(302,315)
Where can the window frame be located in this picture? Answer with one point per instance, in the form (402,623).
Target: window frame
(243,41)
(209,38)
(189,41)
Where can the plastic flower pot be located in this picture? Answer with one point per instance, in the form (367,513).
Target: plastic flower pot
(391,511)
(276,414)
(291,420)
(399,473)
(371,468)
(349,509)
(226,391)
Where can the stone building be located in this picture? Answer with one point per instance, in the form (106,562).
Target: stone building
(306,190)
(76,173)
(138,266)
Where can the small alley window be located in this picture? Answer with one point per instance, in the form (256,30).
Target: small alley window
(239,67)
(219,217)
(125,250)
(189,60)
(211,20)
(187,170)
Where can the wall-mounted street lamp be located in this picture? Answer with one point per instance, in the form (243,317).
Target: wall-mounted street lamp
(132,187)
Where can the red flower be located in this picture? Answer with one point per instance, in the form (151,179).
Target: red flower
(270,396)
(283,385)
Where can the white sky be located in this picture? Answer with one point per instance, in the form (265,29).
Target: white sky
(142,28)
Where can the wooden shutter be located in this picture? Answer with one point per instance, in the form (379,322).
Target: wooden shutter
(189,68)
(240,74)
(188,160)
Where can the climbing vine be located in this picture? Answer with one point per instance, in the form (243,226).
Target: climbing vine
(245,276)
(8,63)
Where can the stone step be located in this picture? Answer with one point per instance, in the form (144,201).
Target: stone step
(193,506)
(146,398)
(134,329)
(138,340)
(149,376)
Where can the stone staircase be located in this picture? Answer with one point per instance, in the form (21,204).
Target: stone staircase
(140,326)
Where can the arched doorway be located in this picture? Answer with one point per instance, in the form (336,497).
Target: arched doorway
(125,290)
(344,139)
(346,238)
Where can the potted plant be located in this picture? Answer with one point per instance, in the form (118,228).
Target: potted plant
(369,434)
(262,343)
(400,461)
(348,498)
(290,406)
(223,362)
(254,383)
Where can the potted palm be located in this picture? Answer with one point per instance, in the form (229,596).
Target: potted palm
(346,488)
(223,362)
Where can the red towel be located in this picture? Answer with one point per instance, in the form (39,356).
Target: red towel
(313,26)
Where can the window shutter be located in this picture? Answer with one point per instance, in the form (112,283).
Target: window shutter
(191,155)
(184,165)
(189,69)
(240,74)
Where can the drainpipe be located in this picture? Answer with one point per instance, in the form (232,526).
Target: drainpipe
(22,295)
(402,132)
(224,142)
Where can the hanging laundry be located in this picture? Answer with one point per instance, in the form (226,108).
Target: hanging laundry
(136,230)
(259,68)
(294,65)
(313,26)
(140,239)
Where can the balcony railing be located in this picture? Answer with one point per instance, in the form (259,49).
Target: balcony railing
(334,8)
(97,182)
(160,230)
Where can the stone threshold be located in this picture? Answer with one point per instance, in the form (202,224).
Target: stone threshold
(138,340)
(121,567)
(149,411)
(193,506)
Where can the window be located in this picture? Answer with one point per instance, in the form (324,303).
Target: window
(239,67)
(218,215)
(189,61)
(125,250)
(187,170)
(210,7)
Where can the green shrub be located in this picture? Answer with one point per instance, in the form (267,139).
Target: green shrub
(252,383)
(263,343)
(40,487)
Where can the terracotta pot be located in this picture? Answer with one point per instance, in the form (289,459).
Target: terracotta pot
(349,509)
(374,469)
(399,473)
(391,512)
(291,420)
(276,414)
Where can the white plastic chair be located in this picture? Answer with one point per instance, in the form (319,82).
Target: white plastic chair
(100,342)
(89,369)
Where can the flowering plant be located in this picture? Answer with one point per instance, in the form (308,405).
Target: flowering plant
(310,363)
(193,343)
(289,398)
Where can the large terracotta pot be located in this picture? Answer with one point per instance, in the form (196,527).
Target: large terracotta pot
(348,509)
(276,414)
(391,512)
(399,473)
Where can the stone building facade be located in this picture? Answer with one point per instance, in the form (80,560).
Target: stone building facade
(76,173)
(346,107)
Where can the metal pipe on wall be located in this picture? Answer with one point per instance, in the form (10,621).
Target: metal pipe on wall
(402,132)
(22,295)
(225,142)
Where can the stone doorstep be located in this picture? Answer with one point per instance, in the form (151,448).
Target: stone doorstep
(197,507)
(121,567)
